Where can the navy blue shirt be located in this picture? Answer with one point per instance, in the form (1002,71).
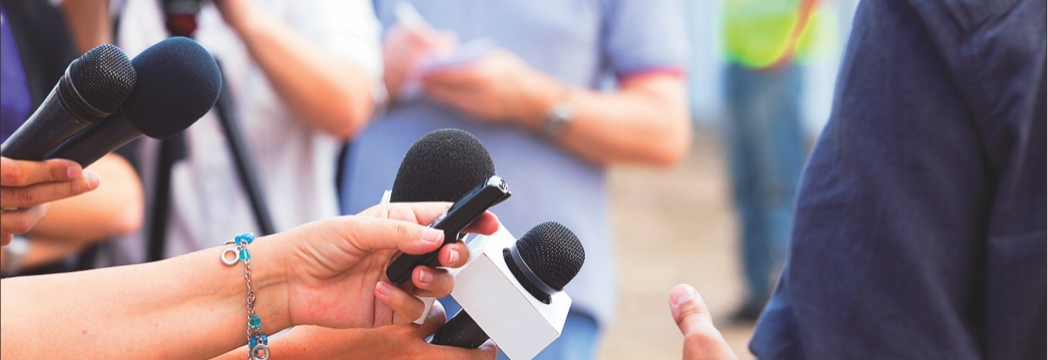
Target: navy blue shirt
(920,219)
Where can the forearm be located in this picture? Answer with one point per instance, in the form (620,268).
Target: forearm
(645,122)
(114,208)
(186,307)
(88,22)
(330,94)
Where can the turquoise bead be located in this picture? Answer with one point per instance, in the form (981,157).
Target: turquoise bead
(245,239)
(254,322)
(245,255)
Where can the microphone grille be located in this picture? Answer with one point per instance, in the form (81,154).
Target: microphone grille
(442,166)
(103,77)
(553,253)
(178,82)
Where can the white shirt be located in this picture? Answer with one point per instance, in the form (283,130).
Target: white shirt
(295,164)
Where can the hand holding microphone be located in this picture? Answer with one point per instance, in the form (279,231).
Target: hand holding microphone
(446,165)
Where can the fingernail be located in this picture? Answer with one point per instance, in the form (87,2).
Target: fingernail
(424,276)
(92,179)
(73,171)
(683,297)
(382,288)
(432,235)
(452,256)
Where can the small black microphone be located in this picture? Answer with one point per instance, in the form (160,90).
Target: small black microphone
(93,87)
(543,261)
(178,82)
(444,165)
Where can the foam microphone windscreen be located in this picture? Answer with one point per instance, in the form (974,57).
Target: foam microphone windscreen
(103,78)
(179,82)
(442,166)
(553,253)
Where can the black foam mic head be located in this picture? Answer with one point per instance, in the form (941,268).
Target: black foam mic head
(444,165)
(98,82)
(552,253)
(178,82)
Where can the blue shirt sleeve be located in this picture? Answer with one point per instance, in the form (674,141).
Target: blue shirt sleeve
(640,36)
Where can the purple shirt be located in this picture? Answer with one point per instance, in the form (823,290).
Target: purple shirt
(15,101)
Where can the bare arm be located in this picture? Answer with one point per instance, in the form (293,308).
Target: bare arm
(327,273)
(646,121)
(114,208)
(88,22)
(330,94)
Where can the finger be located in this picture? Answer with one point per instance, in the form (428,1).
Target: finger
(365,234)
(702,341)
(405,306)
(432,282)
(22,220)
(487,350)
(434,320)
(23,173)
(454,255)
(39,193)
(487,224)
(420,212)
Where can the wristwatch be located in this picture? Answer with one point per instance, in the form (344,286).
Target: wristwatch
(560,115)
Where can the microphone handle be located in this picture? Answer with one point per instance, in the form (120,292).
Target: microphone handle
(97,140)
(461,331)
(49,126)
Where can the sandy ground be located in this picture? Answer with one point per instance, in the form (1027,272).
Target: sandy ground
(673,226)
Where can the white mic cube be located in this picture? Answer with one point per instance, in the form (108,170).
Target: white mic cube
(519,323)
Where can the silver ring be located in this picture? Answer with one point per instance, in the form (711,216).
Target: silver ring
(226,260)
(260,352)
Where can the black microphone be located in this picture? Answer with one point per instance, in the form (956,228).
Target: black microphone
(444,165)
(543,261)
(93,87)
(178,82)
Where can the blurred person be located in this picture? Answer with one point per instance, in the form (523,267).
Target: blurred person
(35,51)
(921,215)
(542,105)
(326,273)
(766,142)
(301,75)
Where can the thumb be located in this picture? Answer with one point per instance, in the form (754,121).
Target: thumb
(366,233)
(702,341)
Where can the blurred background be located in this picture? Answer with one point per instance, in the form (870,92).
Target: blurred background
(680,226)
(669,226)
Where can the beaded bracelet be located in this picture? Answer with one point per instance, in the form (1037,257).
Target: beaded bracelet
(258,343)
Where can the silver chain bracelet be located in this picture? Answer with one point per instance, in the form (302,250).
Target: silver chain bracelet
(258,343)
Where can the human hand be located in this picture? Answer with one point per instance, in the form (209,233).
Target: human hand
(500,87)
(702,341)
(335,268)
(405,46)
(26,188)
(404,341)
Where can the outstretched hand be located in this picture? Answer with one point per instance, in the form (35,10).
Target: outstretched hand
(702,341)
(336,268)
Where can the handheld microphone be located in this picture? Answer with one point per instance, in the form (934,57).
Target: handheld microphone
(541,263)
(93,87)
(178,82)
(445,165)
